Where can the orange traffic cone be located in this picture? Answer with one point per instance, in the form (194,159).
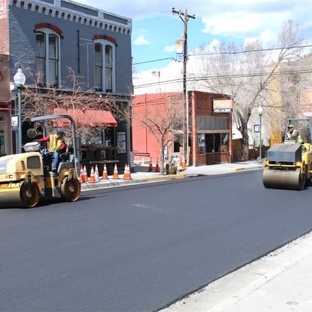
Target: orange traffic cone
(150,168)
(92,176)
(96,174)
(157,169)
(81,176)
(85,175)
(104,175)
(127,175)
(115,174)
(183,165)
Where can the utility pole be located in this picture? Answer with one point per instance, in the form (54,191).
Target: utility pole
(185,18)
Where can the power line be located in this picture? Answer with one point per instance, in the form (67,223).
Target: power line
(152,61)
(250,51)
(226,76)
(224,53)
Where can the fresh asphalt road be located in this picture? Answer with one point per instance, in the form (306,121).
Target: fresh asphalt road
(139,248)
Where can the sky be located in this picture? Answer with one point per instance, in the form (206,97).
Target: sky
(156,29)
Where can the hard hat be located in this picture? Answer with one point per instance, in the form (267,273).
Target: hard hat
(60,132)
(291,126)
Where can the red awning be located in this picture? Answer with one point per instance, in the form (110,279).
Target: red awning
(91,117)
(4,108)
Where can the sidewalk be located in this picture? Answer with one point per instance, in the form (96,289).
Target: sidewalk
(278,282)
(141,174)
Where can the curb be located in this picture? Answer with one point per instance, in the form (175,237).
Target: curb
(113,183)
(238,169)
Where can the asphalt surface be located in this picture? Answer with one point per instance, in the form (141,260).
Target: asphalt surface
(141,247)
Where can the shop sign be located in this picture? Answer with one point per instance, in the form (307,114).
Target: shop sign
(121,142)
(14,122)
(222,106)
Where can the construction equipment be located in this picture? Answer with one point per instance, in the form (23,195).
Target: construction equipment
(25,179)
(289,165)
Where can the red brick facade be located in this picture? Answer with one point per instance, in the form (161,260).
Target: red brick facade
(200,105)
(152,106)
(4,27)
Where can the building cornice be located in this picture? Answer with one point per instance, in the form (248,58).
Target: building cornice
(92,17)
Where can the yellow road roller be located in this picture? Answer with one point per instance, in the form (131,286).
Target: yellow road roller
(25,180)
(289,165)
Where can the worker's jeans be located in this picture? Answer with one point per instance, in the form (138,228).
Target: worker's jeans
(47,159)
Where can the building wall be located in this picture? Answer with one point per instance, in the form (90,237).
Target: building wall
(200,105)
(74,20)
(78,26)
(150,105)
(306,102)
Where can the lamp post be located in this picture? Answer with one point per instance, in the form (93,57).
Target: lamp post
(19,80)
(260,112)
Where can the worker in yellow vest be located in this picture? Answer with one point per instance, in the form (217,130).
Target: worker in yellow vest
(293,134)
(56,146)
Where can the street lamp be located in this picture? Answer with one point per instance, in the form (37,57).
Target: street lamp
(260,112)
(19,80)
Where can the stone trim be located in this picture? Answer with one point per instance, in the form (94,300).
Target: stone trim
(104,37)
(49,26)
(71,15)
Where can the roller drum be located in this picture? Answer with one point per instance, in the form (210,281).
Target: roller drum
(25,196)
(289,178)
(70,189)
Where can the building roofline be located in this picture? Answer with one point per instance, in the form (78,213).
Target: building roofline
(65,9)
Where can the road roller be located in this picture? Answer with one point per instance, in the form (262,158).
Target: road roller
(289,165)
(25,180)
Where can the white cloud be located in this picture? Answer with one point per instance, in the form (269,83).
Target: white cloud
(171,48)
(140,40)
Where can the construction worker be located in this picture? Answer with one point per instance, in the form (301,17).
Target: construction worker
(56,146)
(293,134)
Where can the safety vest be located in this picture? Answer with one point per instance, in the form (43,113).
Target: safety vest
(295,136)
(54,144)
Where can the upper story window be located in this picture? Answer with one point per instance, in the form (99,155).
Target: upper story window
(104,79)
(48,57)
(98,79)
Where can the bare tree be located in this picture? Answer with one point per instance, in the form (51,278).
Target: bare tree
(78,102)
(161,116)
(248,73)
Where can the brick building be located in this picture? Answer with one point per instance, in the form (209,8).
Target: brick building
(210,128)
(47,37)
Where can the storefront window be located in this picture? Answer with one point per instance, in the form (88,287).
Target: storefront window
(213,142)
(201,143)
(224,147)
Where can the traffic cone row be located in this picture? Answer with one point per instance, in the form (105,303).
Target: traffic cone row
(94,174)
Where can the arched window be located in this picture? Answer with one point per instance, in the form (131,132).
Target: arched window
(48,58)
(98,79)
(104,79)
